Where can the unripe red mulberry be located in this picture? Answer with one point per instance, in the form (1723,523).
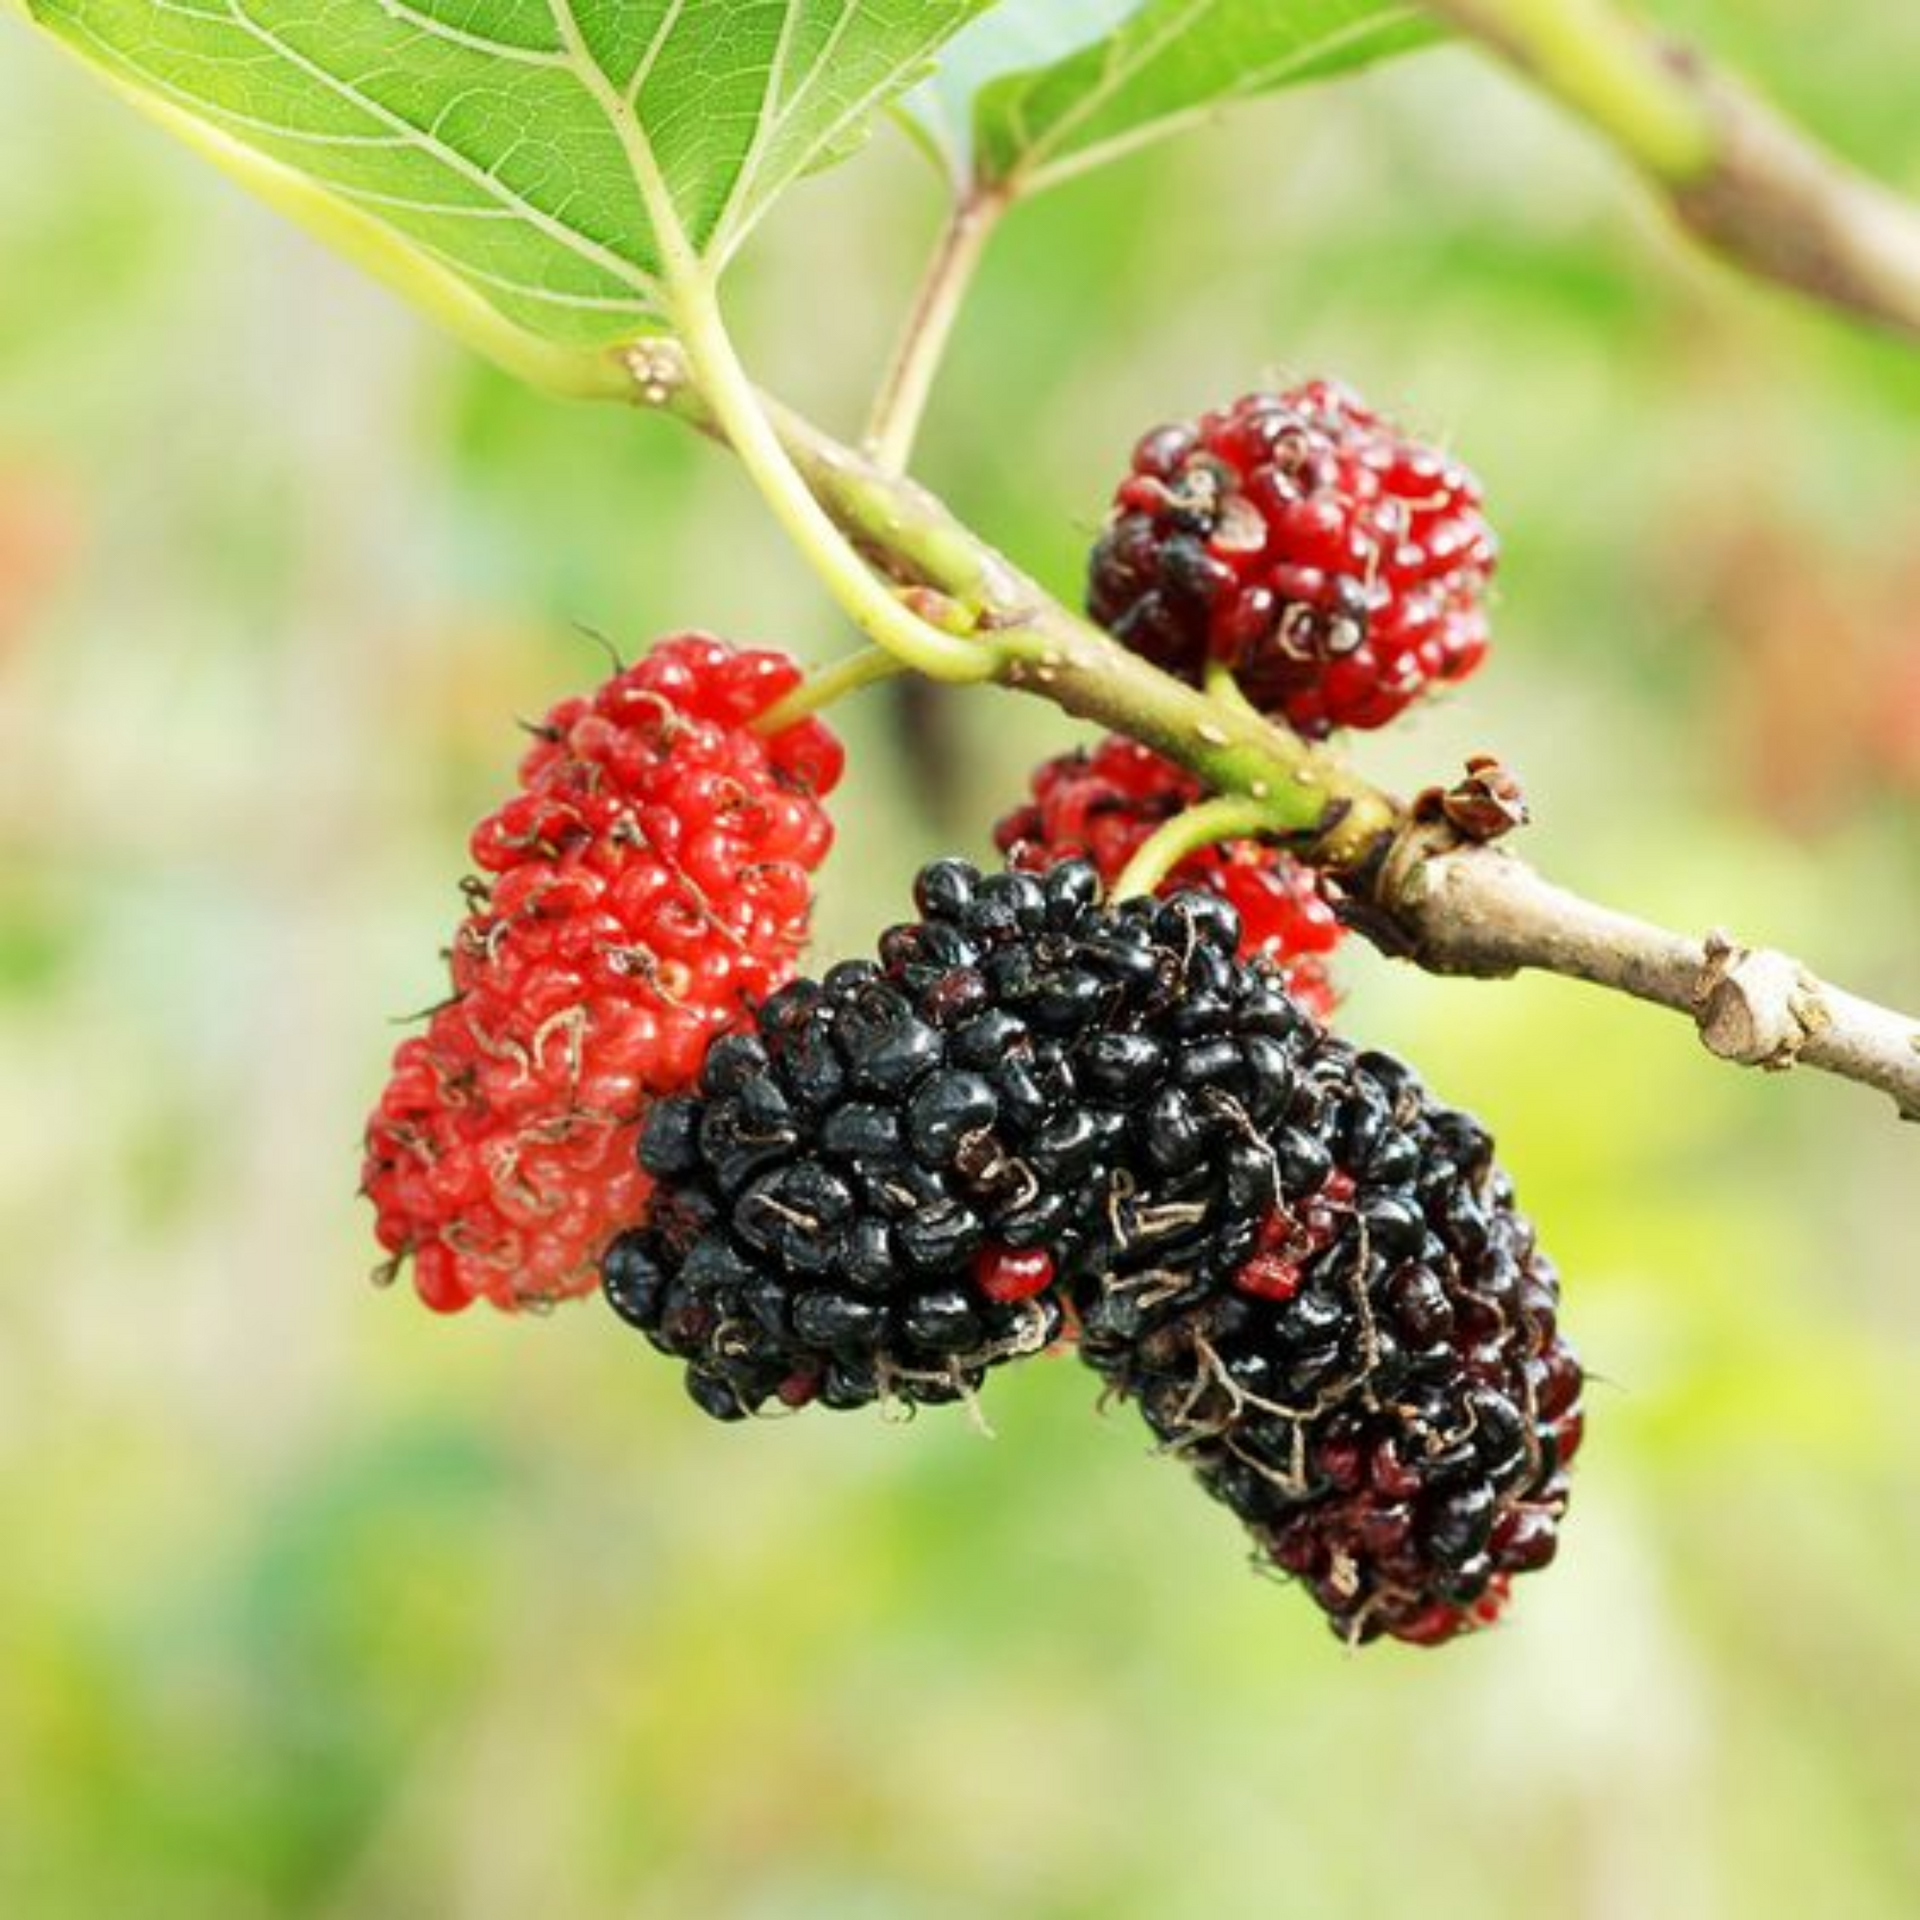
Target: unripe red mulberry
(644,889)
(1103,805)
(1338,569)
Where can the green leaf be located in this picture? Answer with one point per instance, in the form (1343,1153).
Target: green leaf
(537,172)
(1044,89)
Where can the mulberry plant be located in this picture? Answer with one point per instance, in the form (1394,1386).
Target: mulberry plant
(1103,1100)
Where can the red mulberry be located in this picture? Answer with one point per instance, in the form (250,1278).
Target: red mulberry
(1336,568)
(644,888)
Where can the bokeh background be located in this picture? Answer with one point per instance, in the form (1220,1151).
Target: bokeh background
(310,1603)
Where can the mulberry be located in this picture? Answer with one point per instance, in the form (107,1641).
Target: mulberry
(1038,1112)
(1104,804)
(1335,568)
(647,883)
(893,1184)
(1365,1365)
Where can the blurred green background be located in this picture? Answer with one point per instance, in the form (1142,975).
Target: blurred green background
(310,1603)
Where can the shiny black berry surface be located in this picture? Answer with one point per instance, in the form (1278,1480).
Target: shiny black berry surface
(890,1185)
(1359,1354)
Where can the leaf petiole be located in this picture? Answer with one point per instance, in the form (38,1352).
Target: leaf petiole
(901,404)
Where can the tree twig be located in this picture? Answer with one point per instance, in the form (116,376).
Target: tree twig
(1032,643)
(1417,891)
(1738,176)
(1478,911)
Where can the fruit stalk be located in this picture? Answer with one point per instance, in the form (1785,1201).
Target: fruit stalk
(1205,825)
(821,688)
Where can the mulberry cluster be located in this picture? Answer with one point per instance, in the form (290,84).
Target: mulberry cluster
(897,1181)
(1336,568)
(649,881)
(1040,1117)
(1103,804)
(1041,1110)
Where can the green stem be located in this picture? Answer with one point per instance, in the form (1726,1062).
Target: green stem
(901,404)
(831,683)
(864,597)
(1231,817)
(1294,788)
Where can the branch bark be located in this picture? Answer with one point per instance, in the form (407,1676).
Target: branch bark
(1416,890)
(1480,912)
(1738,176)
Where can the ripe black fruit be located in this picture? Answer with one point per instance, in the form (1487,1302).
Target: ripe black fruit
(851,1178)
(1309,1277)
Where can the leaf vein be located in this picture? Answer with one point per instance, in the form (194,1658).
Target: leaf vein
(437,29)
(662,34)
(1119,67)
(450,155)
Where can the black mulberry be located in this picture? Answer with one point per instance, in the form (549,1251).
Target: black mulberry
(897,1181)
(1037,1110)
(1356,1350)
